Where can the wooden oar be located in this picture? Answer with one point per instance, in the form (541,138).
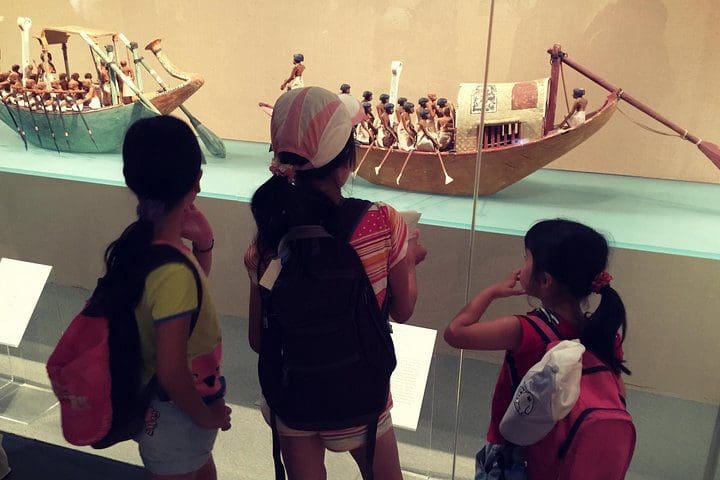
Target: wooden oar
(32,117)
(62,119)
(363,159)
(448,178)
(19,129)
(397,180)
(213,143)
(377,169)
(47,117)
(711,150)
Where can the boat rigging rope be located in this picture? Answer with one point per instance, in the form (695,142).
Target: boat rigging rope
(562,75)
(650,129)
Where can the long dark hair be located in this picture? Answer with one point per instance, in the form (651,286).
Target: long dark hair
(161,163)
(574,254)
(278,204)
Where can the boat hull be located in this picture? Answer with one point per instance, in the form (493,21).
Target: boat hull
(499,167)
(108,125)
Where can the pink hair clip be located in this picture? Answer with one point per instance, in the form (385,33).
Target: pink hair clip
(283,170)
(601,281)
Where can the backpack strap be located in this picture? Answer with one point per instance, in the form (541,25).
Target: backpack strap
(548,333)
(545,330)
(369,474)
(161,254)
(277,459)
(352,211)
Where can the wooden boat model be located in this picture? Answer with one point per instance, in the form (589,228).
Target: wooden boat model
(84,130)
(518,137)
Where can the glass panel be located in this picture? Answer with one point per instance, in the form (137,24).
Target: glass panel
(631,185)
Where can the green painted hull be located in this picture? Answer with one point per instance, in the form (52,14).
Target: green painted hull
(108,126)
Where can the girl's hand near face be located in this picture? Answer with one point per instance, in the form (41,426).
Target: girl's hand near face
(196,228)
(509,287)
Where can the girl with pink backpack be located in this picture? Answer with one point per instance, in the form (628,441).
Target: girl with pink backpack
(564,263)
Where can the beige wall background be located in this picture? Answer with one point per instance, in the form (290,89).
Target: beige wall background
(661,51)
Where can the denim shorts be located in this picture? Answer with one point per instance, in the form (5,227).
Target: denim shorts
(171,443)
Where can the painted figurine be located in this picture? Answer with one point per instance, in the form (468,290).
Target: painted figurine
(577,112)
(380,107)
(387,136)
(365,131)
(407,135)
(295,79)
(427,134)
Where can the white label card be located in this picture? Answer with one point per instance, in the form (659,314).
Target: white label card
(21,284)
(412,219)
(414,348)
(271,274)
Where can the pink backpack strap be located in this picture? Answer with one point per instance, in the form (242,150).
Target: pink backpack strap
(540,320)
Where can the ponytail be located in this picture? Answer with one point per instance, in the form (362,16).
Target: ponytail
(600,329)
(279,205)
(122,254)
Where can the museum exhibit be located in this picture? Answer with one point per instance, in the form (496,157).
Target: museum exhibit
(471,123)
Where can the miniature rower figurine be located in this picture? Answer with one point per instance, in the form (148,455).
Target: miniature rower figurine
(432,105)
(345,89)
(577,112)
(104,84)
(445,125)
(424,103)
(125,90)
(407,135)
(380,107)
(63,81)
(91,98)
(365,132)
(387,136)
(401,106)
(295,79)
(427,135)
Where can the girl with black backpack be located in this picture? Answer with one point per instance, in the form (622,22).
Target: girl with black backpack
(301,267)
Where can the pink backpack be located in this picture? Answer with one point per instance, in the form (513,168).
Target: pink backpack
(96,367)
(596,440)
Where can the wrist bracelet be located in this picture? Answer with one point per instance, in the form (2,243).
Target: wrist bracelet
(212,244)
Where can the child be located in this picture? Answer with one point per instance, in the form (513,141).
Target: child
(565,262)
(161,165)
(310,167)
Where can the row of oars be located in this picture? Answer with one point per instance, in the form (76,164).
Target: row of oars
(38,100)
(448,178)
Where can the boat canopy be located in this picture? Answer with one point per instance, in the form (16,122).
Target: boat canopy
(58,35)
(516,109)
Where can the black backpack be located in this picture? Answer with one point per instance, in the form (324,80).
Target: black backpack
(116,303)
(326,352)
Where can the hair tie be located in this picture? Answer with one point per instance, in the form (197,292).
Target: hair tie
(283,170)
(150,209)
(601,281)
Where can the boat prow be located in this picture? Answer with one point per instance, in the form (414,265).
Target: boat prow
(168,101)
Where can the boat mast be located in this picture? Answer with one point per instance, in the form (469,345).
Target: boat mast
(395,70)
(555,62)
(24,23)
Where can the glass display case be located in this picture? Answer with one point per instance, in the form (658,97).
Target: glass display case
(656,198)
